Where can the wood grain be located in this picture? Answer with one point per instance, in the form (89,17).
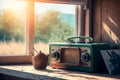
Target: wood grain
(27,71)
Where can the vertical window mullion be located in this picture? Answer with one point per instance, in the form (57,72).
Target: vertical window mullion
(80,20)
(30,28)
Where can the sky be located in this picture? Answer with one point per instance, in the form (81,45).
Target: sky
(64,8)
(39,7)
(15,5)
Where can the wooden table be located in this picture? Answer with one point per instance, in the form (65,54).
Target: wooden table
(27,71)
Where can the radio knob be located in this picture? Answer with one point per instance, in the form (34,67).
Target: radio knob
(55,55)
(85,57)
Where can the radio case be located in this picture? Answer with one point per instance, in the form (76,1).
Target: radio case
(77,56)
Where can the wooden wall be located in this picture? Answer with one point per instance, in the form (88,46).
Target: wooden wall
(106,22)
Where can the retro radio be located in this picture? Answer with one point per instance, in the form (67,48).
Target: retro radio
(83,56)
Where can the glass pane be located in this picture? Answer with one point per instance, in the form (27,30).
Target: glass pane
(12,27)
(53,23)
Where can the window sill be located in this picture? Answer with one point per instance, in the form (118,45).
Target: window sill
(16,59)
(28,72)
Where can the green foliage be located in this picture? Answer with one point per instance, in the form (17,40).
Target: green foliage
(48,28)
(51,28)
(11,26)
(61,32)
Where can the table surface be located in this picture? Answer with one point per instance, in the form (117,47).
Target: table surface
(27,71)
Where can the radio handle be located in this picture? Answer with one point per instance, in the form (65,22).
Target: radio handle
(83,37)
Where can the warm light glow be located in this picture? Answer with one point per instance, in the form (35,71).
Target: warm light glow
(112,21)
(12,27)
(14,4)
(111,33)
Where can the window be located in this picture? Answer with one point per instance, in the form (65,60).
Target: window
(12,27)
(53,23)
(43,24)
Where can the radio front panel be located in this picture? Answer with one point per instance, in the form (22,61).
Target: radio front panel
(67,55)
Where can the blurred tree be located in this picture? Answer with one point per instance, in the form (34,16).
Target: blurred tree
(12,28)
(50,27)
(1,32)
(61,32)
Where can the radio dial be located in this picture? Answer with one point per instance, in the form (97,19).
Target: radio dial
(55,55)
(85,57)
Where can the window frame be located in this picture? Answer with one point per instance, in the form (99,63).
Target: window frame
(80,29)
(29,39)
(76,2)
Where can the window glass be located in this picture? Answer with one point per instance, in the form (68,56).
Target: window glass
(53,23)
(12,27)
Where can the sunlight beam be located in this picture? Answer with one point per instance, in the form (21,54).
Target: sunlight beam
(13,4)
(111,34)
(112,21)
